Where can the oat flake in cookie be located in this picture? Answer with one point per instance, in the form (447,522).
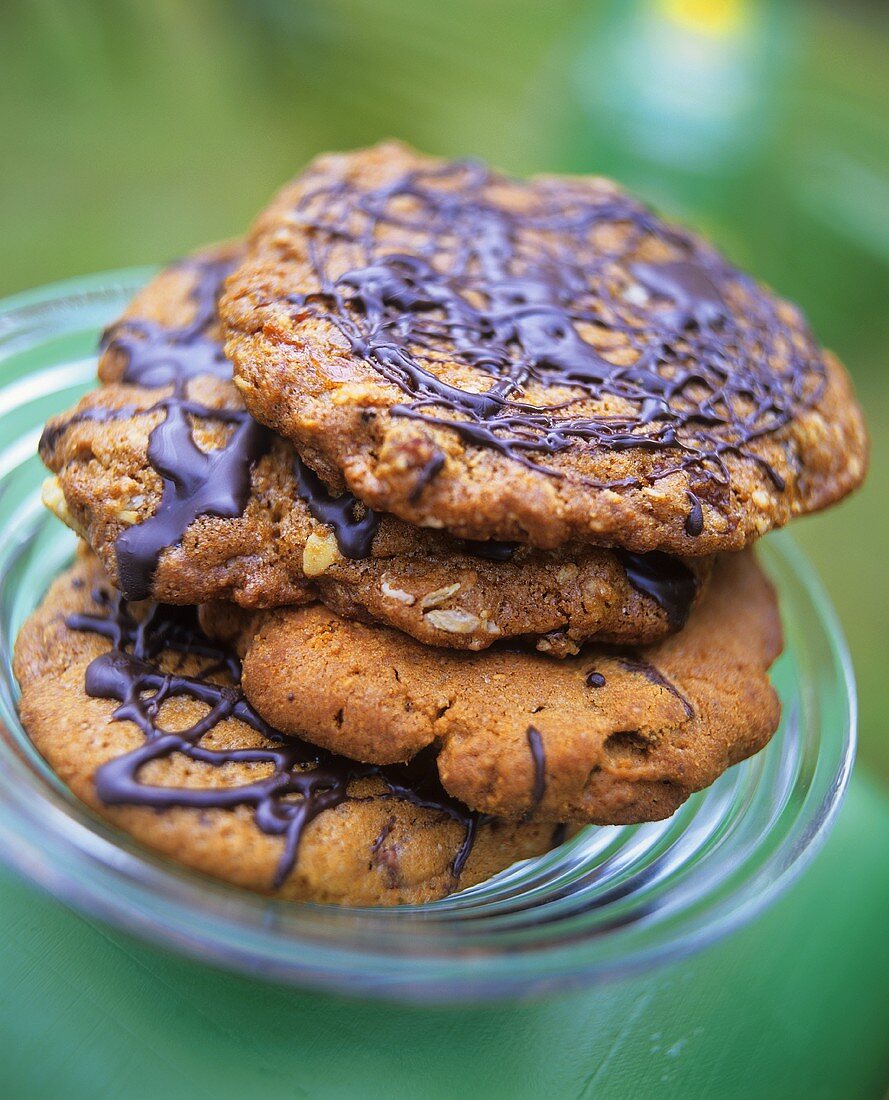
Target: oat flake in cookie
(533,361)
(187,499)
(614,735)
(103,686)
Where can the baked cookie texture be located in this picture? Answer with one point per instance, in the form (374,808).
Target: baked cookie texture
(376,846)
(538,361)
(611,736)
(186,499)
(347,486)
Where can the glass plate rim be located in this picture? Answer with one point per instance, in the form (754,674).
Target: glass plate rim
(557,966)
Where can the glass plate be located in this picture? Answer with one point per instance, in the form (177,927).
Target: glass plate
(610,901)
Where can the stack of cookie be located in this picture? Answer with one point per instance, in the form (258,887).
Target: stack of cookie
(418,530)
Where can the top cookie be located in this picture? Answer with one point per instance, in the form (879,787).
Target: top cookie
(186,498)
(534,361)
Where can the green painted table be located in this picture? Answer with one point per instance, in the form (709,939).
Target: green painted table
(796,1004)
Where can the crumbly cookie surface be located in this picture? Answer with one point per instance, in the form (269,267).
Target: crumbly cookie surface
(538,361)
(613,735)
(387,837)
(186,499)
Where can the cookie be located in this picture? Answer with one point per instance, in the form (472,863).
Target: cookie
(613,735)
(141,715)
(537,361)
(186,499)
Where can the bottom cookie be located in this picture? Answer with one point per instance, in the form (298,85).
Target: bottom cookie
(143,717)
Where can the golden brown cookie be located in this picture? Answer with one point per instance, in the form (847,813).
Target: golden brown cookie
(613,735)
(187,499)
(149,728)
(535,361)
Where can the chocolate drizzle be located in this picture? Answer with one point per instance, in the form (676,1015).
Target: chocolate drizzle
(489,549)
(538,757)
(694,521)
(434,269)
(159,356)
(429,472)
(631,661)
(663,578)
(690,287)
(195,482)
(304,781)
(354,524)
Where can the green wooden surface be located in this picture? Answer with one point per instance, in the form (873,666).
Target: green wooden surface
(795,1005)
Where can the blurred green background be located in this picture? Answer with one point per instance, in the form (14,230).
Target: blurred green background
(135,131)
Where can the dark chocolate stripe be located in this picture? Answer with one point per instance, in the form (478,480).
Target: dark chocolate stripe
(665,579)
(130,674)
(446,272)
(355,525)
(636,663)
(195,483)
(538,757)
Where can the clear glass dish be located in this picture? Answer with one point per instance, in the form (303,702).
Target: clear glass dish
(610,901)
